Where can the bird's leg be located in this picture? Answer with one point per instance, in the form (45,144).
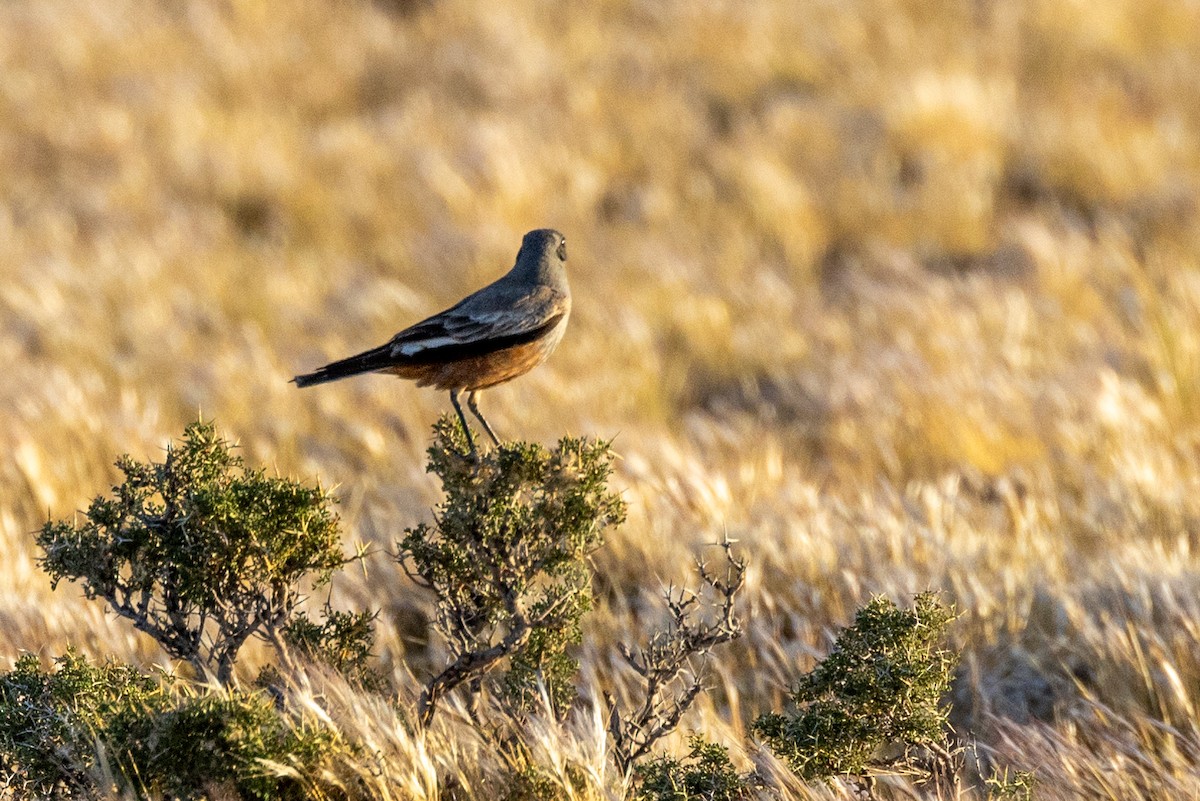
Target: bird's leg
(462,418)
(472,404)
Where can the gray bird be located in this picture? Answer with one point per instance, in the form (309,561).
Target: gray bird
(491,336)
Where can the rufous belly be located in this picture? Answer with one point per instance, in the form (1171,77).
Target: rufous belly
(481,372)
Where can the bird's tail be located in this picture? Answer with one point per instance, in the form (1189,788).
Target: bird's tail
(365,362)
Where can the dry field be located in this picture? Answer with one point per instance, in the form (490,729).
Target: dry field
(902,295)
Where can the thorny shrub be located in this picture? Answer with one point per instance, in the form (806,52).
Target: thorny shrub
(198,551)
(343,641)
(705,774)
(68,733)
(505,561)
(881,685)
(670,666)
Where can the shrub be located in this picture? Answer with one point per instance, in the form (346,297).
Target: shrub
(343,641)
(158,737)
(219,739)
(881,685)
(705,774)
(1017,785)
(198,551)
(504,559)
(49,721)
(530,784)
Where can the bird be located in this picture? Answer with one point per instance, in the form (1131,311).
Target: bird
(491,336)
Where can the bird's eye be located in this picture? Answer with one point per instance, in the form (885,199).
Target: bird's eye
(562,250)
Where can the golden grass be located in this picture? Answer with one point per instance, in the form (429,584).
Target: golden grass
(902,295)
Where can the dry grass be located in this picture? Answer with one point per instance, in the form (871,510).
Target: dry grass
(903,295)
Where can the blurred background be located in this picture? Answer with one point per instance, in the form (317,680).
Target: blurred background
(900,294)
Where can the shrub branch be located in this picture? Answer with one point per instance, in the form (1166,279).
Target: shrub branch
(671,664)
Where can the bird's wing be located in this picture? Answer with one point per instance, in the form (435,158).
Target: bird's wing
(489,320)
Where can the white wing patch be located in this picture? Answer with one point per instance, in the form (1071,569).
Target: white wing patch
(484,318)
(413,348)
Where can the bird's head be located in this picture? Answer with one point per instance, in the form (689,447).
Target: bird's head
(545,243)
(542,256)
